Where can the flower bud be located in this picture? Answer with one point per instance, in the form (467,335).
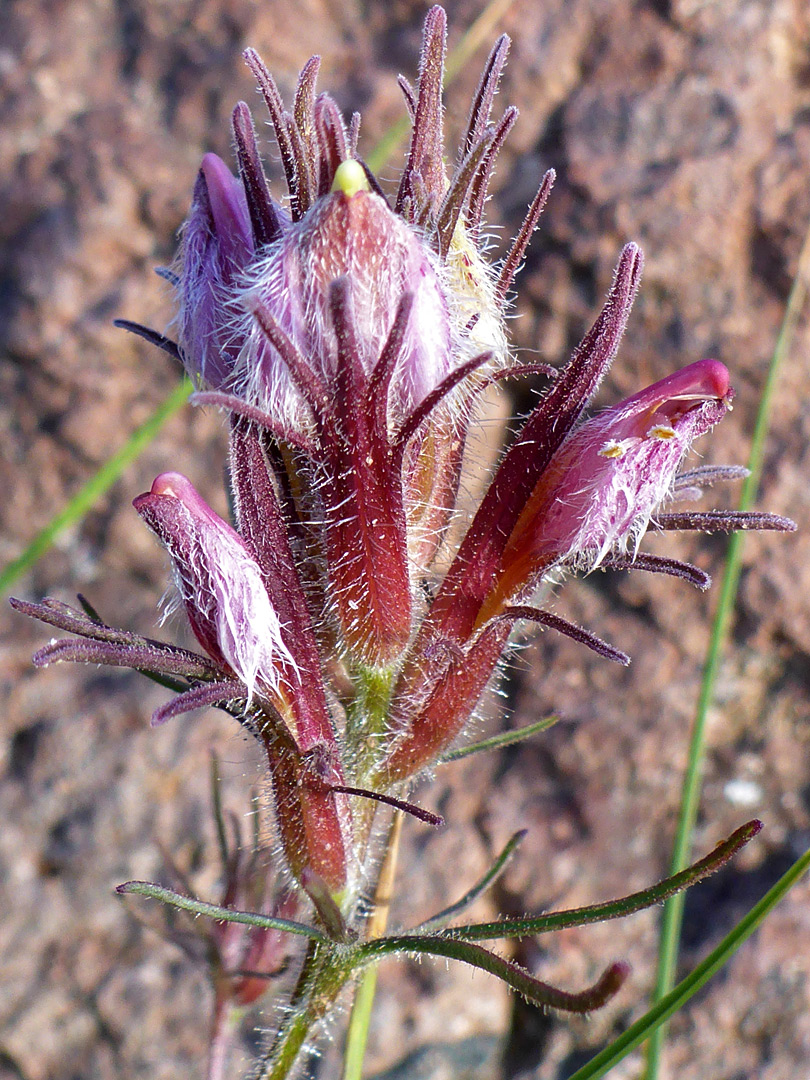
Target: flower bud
(217,245)
(220,584)
(348,233)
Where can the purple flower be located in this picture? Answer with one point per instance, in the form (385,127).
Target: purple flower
(602,486)
(220,585)
(217,246)
(348,342)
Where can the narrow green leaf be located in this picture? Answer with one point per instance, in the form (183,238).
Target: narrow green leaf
(672,918)
(532,989)
(668,1005)
(219,818)
(96,486)
(221,914)
(613,909)
(497,742)
(443,917)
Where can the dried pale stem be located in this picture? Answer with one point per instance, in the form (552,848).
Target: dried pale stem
(360,1021)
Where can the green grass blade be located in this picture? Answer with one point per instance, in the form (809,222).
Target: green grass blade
(672,918)
(673,1001)
(96,486)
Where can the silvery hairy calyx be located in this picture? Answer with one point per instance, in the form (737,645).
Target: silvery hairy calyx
(348,334)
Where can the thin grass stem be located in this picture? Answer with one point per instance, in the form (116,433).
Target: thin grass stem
(672,917)
(96,486)
(668,1005)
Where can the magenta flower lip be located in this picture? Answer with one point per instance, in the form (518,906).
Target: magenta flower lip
(178,487)
(667,400)
(701,381)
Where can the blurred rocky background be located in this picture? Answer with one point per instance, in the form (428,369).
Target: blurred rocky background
(682,124)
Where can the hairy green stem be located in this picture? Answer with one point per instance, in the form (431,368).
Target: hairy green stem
(325,972)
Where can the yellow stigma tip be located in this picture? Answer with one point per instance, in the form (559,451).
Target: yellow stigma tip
(350,177)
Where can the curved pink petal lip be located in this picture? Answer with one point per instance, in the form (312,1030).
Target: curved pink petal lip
(705,380)
(177,486)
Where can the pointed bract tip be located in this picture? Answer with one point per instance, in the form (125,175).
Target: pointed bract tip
(631,262)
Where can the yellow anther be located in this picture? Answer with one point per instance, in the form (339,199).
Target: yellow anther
(661,431)
(613,450)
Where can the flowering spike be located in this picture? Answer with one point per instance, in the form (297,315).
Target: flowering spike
(350,342)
